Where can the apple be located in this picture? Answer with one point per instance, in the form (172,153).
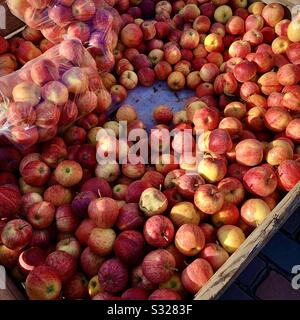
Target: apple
(70,245)
(16,234)
(154,178)
(98,186)
(232,190)
(138,279)
(213,43)
(164,294)
(68,173)
(66,220)
(208,199)
(104,212)
(212,168)
(208,72)
(62,263)
(235,25)
(162,114)
(288,174)
(43,283)
(196,274)
(249,152)
(273,13)
(230,237)
(113,276)
(158,231)
(254,37)
(101,241)
(131,35)
(223,13)
(31,258)
(11,200)
(277,119)
(245,71)
(228,215)
(41,214)
(189,239)
(153,202)
(129,247)
(133,171)
(29,199)
(254,212)
(109,171)
(215,255)
(278,151)
(36,173)
(130,217)
(94,287)
(187,185)
(158,266)
(135,294)
(292,130)
(90,262)
(135,190)
(201,24)
(239,49)
(76,287)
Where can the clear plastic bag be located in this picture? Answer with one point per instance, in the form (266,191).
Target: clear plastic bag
(49,93)
(95,22)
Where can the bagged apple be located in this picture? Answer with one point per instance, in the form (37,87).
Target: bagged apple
(94,22)
(49,93)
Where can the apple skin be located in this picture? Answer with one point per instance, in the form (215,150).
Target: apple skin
(130,217)
(135,294)
(153,202)
(158,265)
(209,232)
(196,274)
(76,288)
(135,190)
(43,283)
(254,212)
(98,186)
(65,219)
(158,231)
(189,239)
(230,237)
(90,262)
(249,152)
(208,199)
(129,247)
(101,241)
(261,181)
(232,189)
(215,255)
(62,263)
(104,212)
(138,279)
(11,200)
(288,174)
(164,294)
(41,214)
(16,234)
(31,258)
(113,276)
(183,213)
(81,203)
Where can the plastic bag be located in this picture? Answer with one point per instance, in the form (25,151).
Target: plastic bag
(49,93)
(94,22)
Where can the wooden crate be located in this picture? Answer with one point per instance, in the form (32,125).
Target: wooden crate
(238,261)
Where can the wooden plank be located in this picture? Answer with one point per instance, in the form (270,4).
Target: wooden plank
(231,269)
(12,292)
(13,24)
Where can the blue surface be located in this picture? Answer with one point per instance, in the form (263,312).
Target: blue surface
(235,293)
(283,251)
(292,226)
(145,99)
(254,269)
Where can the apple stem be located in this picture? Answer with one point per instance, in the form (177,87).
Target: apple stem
(99,193)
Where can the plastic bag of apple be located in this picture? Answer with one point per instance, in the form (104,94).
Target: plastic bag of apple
(95,22)
(50,93)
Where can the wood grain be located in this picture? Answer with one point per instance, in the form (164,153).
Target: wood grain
(250,248)
(13,24)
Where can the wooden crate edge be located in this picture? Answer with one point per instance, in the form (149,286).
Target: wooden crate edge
(252,245)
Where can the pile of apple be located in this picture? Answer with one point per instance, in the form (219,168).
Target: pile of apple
(50,93)
(73,228)
(95,23)
(19,50)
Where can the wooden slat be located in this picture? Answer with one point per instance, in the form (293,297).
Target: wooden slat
(251,247)
(11,292)
(13,24)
